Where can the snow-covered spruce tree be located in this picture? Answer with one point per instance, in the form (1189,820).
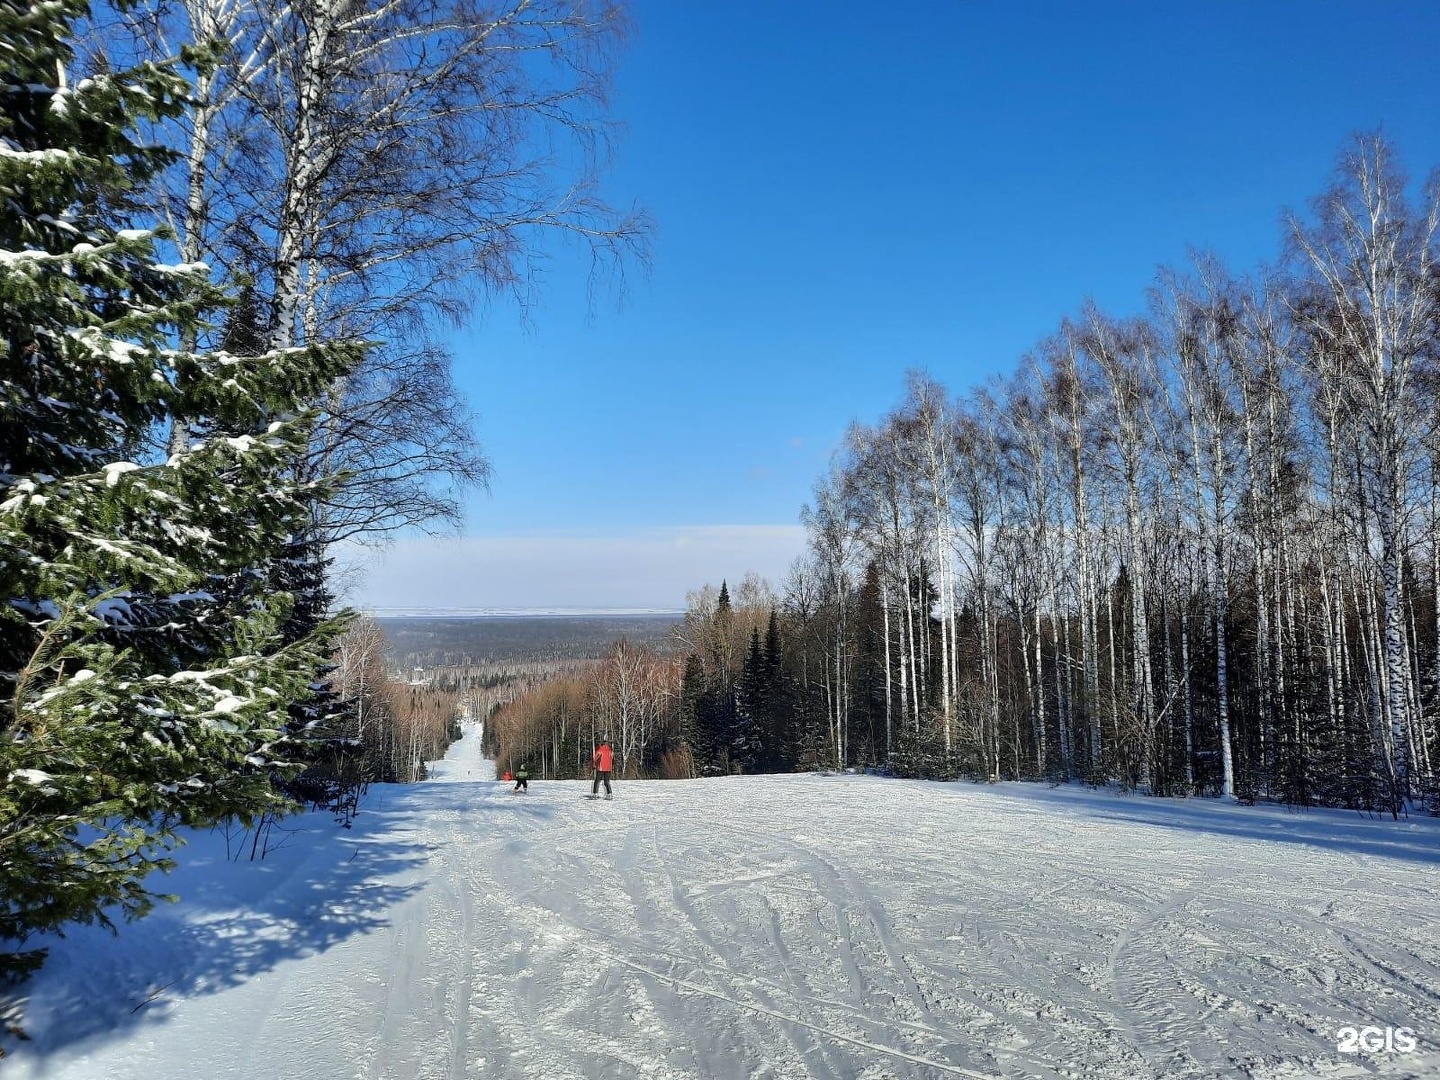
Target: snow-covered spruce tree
(142,686)
(334,772)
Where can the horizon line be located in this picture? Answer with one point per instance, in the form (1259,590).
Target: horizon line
(547,611)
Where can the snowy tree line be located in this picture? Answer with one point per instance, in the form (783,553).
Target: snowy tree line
(1195,549)
(733,693)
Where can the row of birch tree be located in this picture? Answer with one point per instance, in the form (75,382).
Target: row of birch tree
(629,697)
(1191,549)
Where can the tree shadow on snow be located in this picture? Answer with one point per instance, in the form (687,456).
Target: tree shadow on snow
(1414,840)
(478,797)
(237,919)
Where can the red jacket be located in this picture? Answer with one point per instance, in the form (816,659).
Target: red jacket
(603,759)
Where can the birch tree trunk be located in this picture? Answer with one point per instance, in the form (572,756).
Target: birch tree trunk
(1376,305)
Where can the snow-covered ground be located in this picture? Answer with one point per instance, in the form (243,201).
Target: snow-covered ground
(809,926)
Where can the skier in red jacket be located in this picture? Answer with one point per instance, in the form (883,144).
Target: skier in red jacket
(603,760)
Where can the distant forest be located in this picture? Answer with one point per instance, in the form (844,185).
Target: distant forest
(471,641)
(1195,550)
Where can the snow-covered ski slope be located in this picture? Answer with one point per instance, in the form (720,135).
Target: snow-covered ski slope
(805,926)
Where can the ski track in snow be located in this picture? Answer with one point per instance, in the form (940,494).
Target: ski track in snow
(763,928)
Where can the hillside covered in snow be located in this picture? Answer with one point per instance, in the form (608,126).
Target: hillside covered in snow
(777,926)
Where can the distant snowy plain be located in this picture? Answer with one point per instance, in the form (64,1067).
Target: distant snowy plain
(765,927)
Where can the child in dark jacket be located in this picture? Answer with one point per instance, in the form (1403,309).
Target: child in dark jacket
(522,778)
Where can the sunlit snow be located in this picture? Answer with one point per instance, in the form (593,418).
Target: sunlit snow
(767,927)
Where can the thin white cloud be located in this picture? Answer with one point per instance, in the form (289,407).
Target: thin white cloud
(643,568)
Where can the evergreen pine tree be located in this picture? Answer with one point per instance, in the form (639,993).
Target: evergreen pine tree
(780,731)
(321,723)
(719,709)
(692,693)
(143,686)
(244,324)
(751,701)
(713,723)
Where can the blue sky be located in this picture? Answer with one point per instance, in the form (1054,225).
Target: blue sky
(841,192)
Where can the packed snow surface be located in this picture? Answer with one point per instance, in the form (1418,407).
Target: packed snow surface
(765,927)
